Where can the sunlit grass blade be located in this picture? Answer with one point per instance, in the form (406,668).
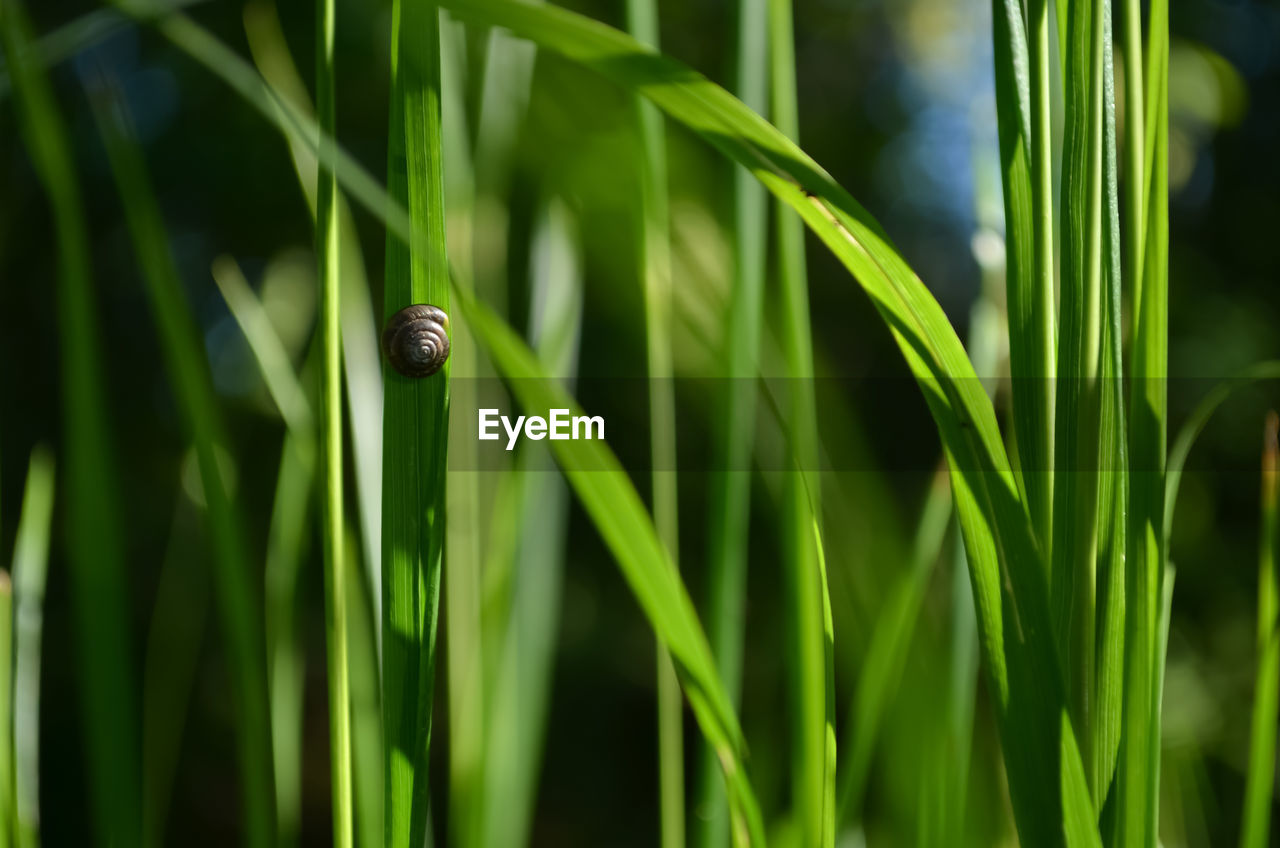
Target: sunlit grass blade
(653,238)
(1147,553)
(813,704)
(1113,466)
(415,435)
(464,640)
(886,655)
(95,532)
(521,688)
(1266,698)
(328,270)
(189,375)
(730,504)
(1022,111)
(1076,478)
(30,570)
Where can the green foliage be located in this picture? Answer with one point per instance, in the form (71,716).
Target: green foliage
(189,374)
(97,581)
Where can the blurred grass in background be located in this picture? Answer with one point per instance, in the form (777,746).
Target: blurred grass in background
(897,100)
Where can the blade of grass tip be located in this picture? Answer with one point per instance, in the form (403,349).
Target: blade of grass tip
(330,300)
(1266,699)
(97,579)
(1023,117)
(174,639)
(1147,555)
(1075,496)
(30,570)
(193,386)
(813,719)
(519,697)
(415,421)
(1004,562)
(286,541)
(1113,491)
(360,361)
(886,655)
(655,276)
(731,485)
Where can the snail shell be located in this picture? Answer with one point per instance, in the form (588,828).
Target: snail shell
(416,340)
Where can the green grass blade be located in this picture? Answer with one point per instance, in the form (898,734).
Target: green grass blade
(1266,699)
(286,541)
(193,386)
(612,502)
(539,516)
(1025,152)
(655,275)
(1076,478)
(464,640)
(415,422)
(1009,581)
(886,655)
(813,704)
(97,576)
(366,709)
(331,510)
(730,506)
(1147,554)
(30,570)
(360,358)
(1113,465)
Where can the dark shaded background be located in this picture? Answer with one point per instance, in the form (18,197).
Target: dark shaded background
(896,101)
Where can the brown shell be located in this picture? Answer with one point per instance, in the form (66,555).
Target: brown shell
(416,340)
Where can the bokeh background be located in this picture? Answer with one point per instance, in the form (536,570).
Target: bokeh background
(897,102)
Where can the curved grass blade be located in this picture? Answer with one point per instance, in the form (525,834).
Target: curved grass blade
(1266,699)
(612,502)
(189,374)
(1009,580)
(98,583)
(30,570)
(1010,590)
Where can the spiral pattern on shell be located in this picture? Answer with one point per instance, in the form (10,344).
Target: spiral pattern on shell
(416,340)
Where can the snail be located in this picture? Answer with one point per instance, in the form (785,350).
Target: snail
(416,340)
